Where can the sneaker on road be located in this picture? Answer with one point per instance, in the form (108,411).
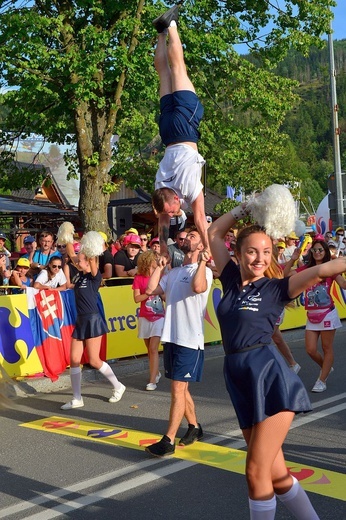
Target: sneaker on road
(163,448)
(75,403)
(319,386)
(192,435)
(158,377)
(151,387)
(295,368)
(117,394)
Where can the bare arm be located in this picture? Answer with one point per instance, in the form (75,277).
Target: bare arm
(153,284)
(200,220)
(164,223)
(216,233)
(108,271)
(94,265)
(199,283)
(304,279)
(138,297)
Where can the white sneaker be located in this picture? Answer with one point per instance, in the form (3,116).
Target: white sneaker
(75,403)
(151,386)
(319,386)
(295,368)
(158,377)
(117,394)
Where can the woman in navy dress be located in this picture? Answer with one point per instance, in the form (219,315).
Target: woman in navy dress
(265,393)
(88,332)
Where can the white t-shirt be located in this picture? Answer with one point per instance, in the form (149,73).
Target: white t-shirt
(180,170)
(56,281)
(185,310)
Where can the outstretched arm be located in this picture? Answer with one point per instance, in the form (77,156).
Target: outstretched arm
(304,279)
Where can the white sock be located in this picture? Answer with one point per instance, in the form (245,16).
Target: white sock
(298,502)
(109,374)
(76,382)
(262,509)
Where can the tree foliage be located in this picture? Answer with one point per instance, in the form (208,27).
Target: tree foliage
(84,69)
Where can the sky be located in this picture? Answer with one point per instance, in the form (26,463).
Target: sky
(339,22)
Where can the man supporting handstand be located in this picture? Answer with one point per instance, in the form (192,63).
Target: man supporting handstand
(178,179)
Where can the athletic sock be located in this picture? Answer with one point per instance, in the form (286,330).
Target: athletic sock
(262,509)
(298,502)
(76,382)
(106,371)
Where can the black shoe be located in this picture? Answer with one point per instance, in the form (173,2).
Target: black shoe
(192,435)
(162,22)
(163,448)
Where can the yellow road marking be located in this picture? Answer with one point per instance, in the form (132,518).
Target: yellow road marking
(320,481)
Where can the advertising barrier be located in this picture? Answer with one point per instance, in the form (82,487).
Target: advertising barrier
(20,356)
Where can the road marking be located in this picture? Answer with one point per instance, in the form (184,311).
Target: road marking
(323,482)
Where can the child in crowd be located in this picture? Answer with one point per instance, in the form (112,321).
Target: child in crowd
(151,314)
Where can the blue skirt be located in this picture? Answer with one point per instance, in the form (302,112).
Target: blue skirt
(261,384)
(89,326)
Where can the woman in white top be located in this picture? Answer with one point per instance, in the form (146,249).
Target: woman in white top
(52,276)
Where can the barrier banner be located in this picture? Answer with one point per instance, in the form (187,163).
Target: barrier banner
(52,316)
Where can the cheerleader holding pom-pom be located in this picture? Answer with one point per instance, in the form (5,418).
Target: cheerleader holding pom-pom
(90,325)
(265,393)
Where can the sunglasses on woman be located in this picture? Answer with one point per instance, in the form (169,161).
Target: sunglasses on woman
(317,250)
(55,266)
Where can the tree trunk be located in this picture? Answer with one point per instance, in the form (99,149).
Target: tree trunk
(94,156)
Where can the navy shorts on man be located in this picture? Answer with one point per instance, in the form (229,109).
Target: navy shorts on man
(181,114)
(183,363)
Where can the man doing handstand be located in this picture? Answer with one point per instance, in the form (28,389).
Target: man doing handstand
(178,179)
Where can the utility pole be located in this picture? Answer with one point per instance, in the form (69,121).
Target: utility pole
(338,176)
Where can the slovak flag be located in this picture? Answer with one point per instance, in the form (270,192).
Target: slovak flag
(52,317)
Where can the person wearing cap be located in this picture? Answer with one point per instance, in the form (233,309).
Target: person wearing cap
(178,179)
(131,231)
(29,245)
(291,244)
(125,260)
(5,273)
(339,236)
(155,245)
(280,247)
(106,261)
(20,276)
(186,290)
(4,250)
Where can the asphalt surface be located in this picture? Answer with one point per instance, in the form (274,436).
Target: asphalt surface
(46,475)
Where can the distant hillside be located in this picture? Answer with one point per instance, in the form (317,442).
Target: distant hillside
(309,124)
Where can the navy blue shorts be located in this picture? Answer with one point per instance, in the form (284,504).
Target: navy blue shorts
(181,114)
(182,363)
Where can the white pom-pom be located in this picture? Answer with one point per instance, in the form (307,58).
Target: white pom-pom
(65,233)
(299,228)
(275,210)
(92,244)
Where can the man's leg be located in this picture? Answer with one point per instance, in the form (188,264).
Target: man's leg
(179,392)
(162,65)
(180,79)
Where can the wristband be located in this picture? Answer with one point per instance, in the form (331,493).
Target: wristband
(239,213)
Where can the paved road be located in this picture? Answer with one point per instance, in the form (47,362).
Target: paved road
(46,475)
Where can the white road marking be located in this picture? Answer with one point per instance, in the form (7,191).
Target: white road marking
(149,476)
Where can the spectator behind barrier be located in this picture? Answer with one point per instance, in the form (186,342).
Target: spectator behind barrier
(52,277)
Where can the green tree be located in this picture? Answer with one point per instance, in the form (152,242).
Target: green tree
(84,69)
